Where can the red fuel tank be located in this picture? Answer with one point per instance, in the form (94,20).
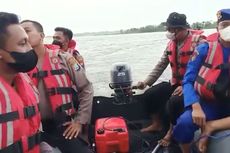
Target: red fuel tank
(111,135)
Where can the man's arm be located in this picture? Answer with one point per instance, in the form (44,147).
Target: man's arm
(192,70)
(158,70)
(79,58)
(84,89)
(191,97)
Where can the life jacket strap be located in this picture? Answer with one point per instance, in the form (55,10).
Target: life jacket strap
(43,74)
(209,85)
(29,111)
(17,146)
(34,140)
(177,76)
(168,52)
(188,53)
(60,90)
(65,107)
(223,66)
(207,65)
(11,116)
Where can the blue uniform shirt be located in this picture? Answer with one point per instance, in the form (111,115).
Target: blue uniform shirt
(190,94)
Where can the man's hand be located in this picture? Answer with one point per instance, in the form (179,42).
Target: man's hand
(73,129)
(178,91)
(198,115)
(141,85)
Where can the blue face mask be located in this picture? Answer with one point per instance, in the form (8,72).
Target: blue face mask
(24,62)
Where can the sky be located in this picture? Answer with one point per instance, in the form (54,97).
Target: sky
(109,15)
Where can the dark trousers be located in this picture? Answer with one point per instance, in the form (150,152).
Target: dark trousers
(174,108)
(157,96)
(53,135)
(159,101)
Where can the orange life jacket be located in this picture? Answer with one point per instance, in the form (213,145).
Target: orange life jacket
(210,71)
(57,82)
(19,116)
(213,37)
(70,50)
(72,44)
(179,64)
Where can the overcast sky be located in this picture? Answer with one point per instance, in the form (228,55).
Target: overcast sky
(109,15)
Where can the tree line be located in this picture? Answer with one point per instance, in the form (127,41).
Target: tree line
(161,27)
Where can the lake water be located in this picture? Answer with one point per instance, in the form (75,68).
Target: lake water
(141,51)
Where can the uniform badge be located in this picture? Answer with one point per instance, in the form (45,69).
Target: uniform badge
(76,67)
(54,60)
(219,16)
(194,55)
(72,61)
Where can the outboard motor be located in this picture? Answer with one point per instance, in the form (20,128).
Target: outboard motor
(121,83)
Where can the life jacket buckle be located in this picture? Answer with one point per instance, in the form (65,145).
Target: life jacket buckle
(52,91)
(29,111)
(34,140)
(40,74)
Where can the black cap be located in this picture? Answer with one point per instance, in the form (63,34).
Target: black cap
(176,20)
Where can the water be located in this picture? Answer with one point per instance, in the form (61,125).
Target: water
(141,51)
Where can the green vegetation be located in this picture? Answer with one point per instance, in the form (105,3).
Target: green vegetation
(149,28)
(204,25)
(161,27)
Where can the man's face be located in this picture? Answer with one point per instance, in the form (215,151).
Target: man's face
(59,36)
(177,31)
(224,31)
(16,40)
(172,30)
(35,37)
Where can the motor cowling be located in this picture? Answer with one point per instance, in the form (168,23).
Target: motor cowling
(121,82)
(120,76)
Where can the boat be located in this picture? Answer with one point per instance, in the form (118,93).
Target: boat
(126,105)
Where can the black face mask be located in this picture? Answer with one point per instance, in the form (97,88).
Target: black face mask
(24,62)
(56,42)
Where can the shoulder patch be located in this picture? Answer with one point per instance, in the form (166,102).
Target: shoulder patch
(73,62)
(76,67)
(218,14)
(194,55)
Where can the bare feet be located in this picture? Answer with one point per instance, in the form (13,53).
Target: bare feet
(203,142)
(153,127)
(165,141)
(167,138)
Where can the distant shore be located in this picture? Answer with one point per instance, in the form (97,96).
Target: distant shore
(147,29)
(150,28)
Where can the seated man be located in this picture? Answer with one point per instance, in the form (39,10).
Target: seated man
(63,38)
(206,85)
(55,76)
(19,112)
(182,42)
